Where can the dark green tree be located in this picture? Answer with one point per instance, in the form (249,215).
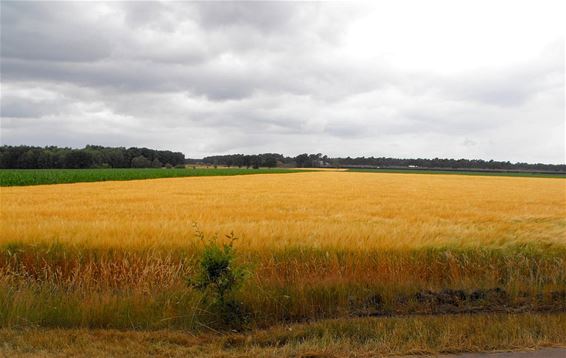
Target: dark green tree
(78,159)
(141,162)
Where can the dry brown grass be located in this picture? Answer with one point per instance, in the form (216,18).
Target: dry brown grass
(332,338)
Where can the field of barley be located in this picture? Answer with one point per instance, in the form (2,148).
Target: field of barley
(316,244)
(335,210)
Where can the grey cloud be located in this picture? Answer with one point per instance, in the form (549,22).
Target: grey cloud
(44,31)
(17,107)
(209,78)
(266,17)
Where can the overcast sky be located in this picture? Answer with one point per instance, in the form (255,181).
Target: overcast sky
(474,79)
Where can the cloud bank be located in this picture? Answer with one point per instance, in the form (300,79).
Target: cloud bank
(480,80)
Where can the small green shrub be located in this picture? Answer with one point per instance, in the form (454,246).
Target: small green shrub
(219,277)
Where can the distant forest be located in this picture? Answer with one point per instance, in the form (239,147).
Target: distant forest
(320,161)
(93,156)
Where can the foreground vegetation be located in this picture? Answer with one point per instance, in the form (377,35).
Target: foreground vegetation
(22,177)
(314,245)
(329,338)
(66,286)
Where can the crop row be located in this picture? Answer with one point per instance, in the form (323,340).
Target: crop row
(21,177)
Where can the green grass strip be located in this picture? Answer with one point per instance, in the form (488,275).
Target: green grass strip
(22,177)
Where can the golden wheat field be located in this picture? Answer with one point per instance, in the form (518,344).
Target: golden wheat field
(315,245)
(317,209)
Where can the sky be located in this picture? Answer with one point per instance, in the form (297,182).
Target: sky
(411,79)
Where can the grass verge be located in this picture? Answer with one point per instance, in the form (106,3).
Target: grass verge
(66,286)
(363,337)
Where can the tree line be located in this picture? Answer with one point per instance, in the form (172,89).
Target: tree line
(91,156)
(269,160)
(449,164)
(306,160)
